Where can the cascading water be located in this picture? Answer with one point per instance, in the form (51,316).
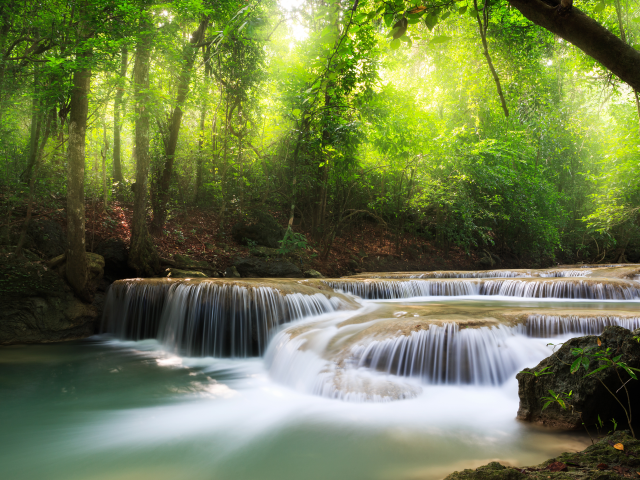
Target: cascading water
(526,288)
(424,377)
(448,355)
(207,318)
(566,273)
(547,326)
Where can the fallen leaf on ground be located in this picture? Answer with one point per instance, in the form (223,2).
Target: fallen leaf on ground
(618,446)
(602,466)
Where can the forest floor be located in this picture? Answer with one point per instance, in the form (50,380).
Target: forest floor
(199,233)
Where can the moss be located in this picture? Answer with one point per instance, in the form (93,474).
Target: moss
(20,277)
(600,461)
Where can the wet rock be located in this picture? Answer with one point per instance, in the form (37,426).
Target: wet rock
(37,306)
(589,396)
(46,237)
(492,471)
(115,254)
(313,274)
(600,461)
(232,272)
(185,262)
(264,230)
(267,268)
(177,273)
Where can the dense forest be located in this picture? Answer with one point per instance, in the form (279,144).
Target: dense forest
(458,126)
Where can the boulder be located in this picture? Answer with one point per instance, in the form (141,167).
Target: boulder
(46,237)
(312,274)
(264,230)
(185,262)
(37,306)
(264,252)
(95,262)
(589,396)
(267,268)
(232,272)
(115,254)
(177,273)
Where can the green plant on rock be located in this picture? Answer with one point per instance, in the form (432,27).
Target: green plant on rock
(605,360)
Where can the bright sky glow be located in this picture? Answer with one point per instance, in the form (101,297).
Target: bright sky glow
(296,30)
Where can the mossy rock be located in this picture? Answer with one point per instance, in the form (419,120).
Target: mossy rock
(492,471)
(22,278)
(177,273)
(601,461)
(313,274)
(188,263)
(264,252)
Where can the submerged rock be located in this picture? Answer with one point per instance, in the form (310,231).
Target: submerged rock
(589,396)
(267,268)
(600,461)
(36,305)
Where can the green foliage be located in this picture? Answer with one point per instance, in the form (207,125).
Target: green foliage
(292,242)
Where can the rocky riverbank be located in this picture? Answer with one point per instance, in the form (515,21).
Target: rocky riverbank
(614,457)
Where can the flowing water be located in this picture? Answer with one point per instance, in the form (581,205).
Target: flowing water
(276,380)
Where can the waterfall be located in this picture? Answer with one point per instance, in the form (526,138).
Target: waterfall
(447,354)
(451,274)
(206,318)
(545,326)
(580,289)
(527,288)
(386,290)
(566,273)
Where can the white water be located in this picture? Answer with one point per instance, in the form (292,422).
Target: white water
(206,319)
(326,400)
(576,289)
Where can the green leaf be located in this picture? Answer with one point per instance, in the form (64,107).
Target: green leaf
(388,19)
(395,44)
(547,404)
(462,10)
(360,17)
(575,366)
(595,371)
(296,112)
(440,39)
(431,21)
(599,7)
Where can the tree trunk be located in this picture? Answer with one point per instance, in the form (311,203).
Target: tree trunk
(161,197)
(482,26)
(142,253)
(584,32)
(117,105)
(77,269)
(200,167)
(32,188)
(105,190)
(36,123)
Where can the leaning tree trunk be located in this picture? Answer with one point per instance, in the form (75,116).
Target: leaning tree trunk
(573,25)
(77,269)
(142,253)
(161,197)
(117,126)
